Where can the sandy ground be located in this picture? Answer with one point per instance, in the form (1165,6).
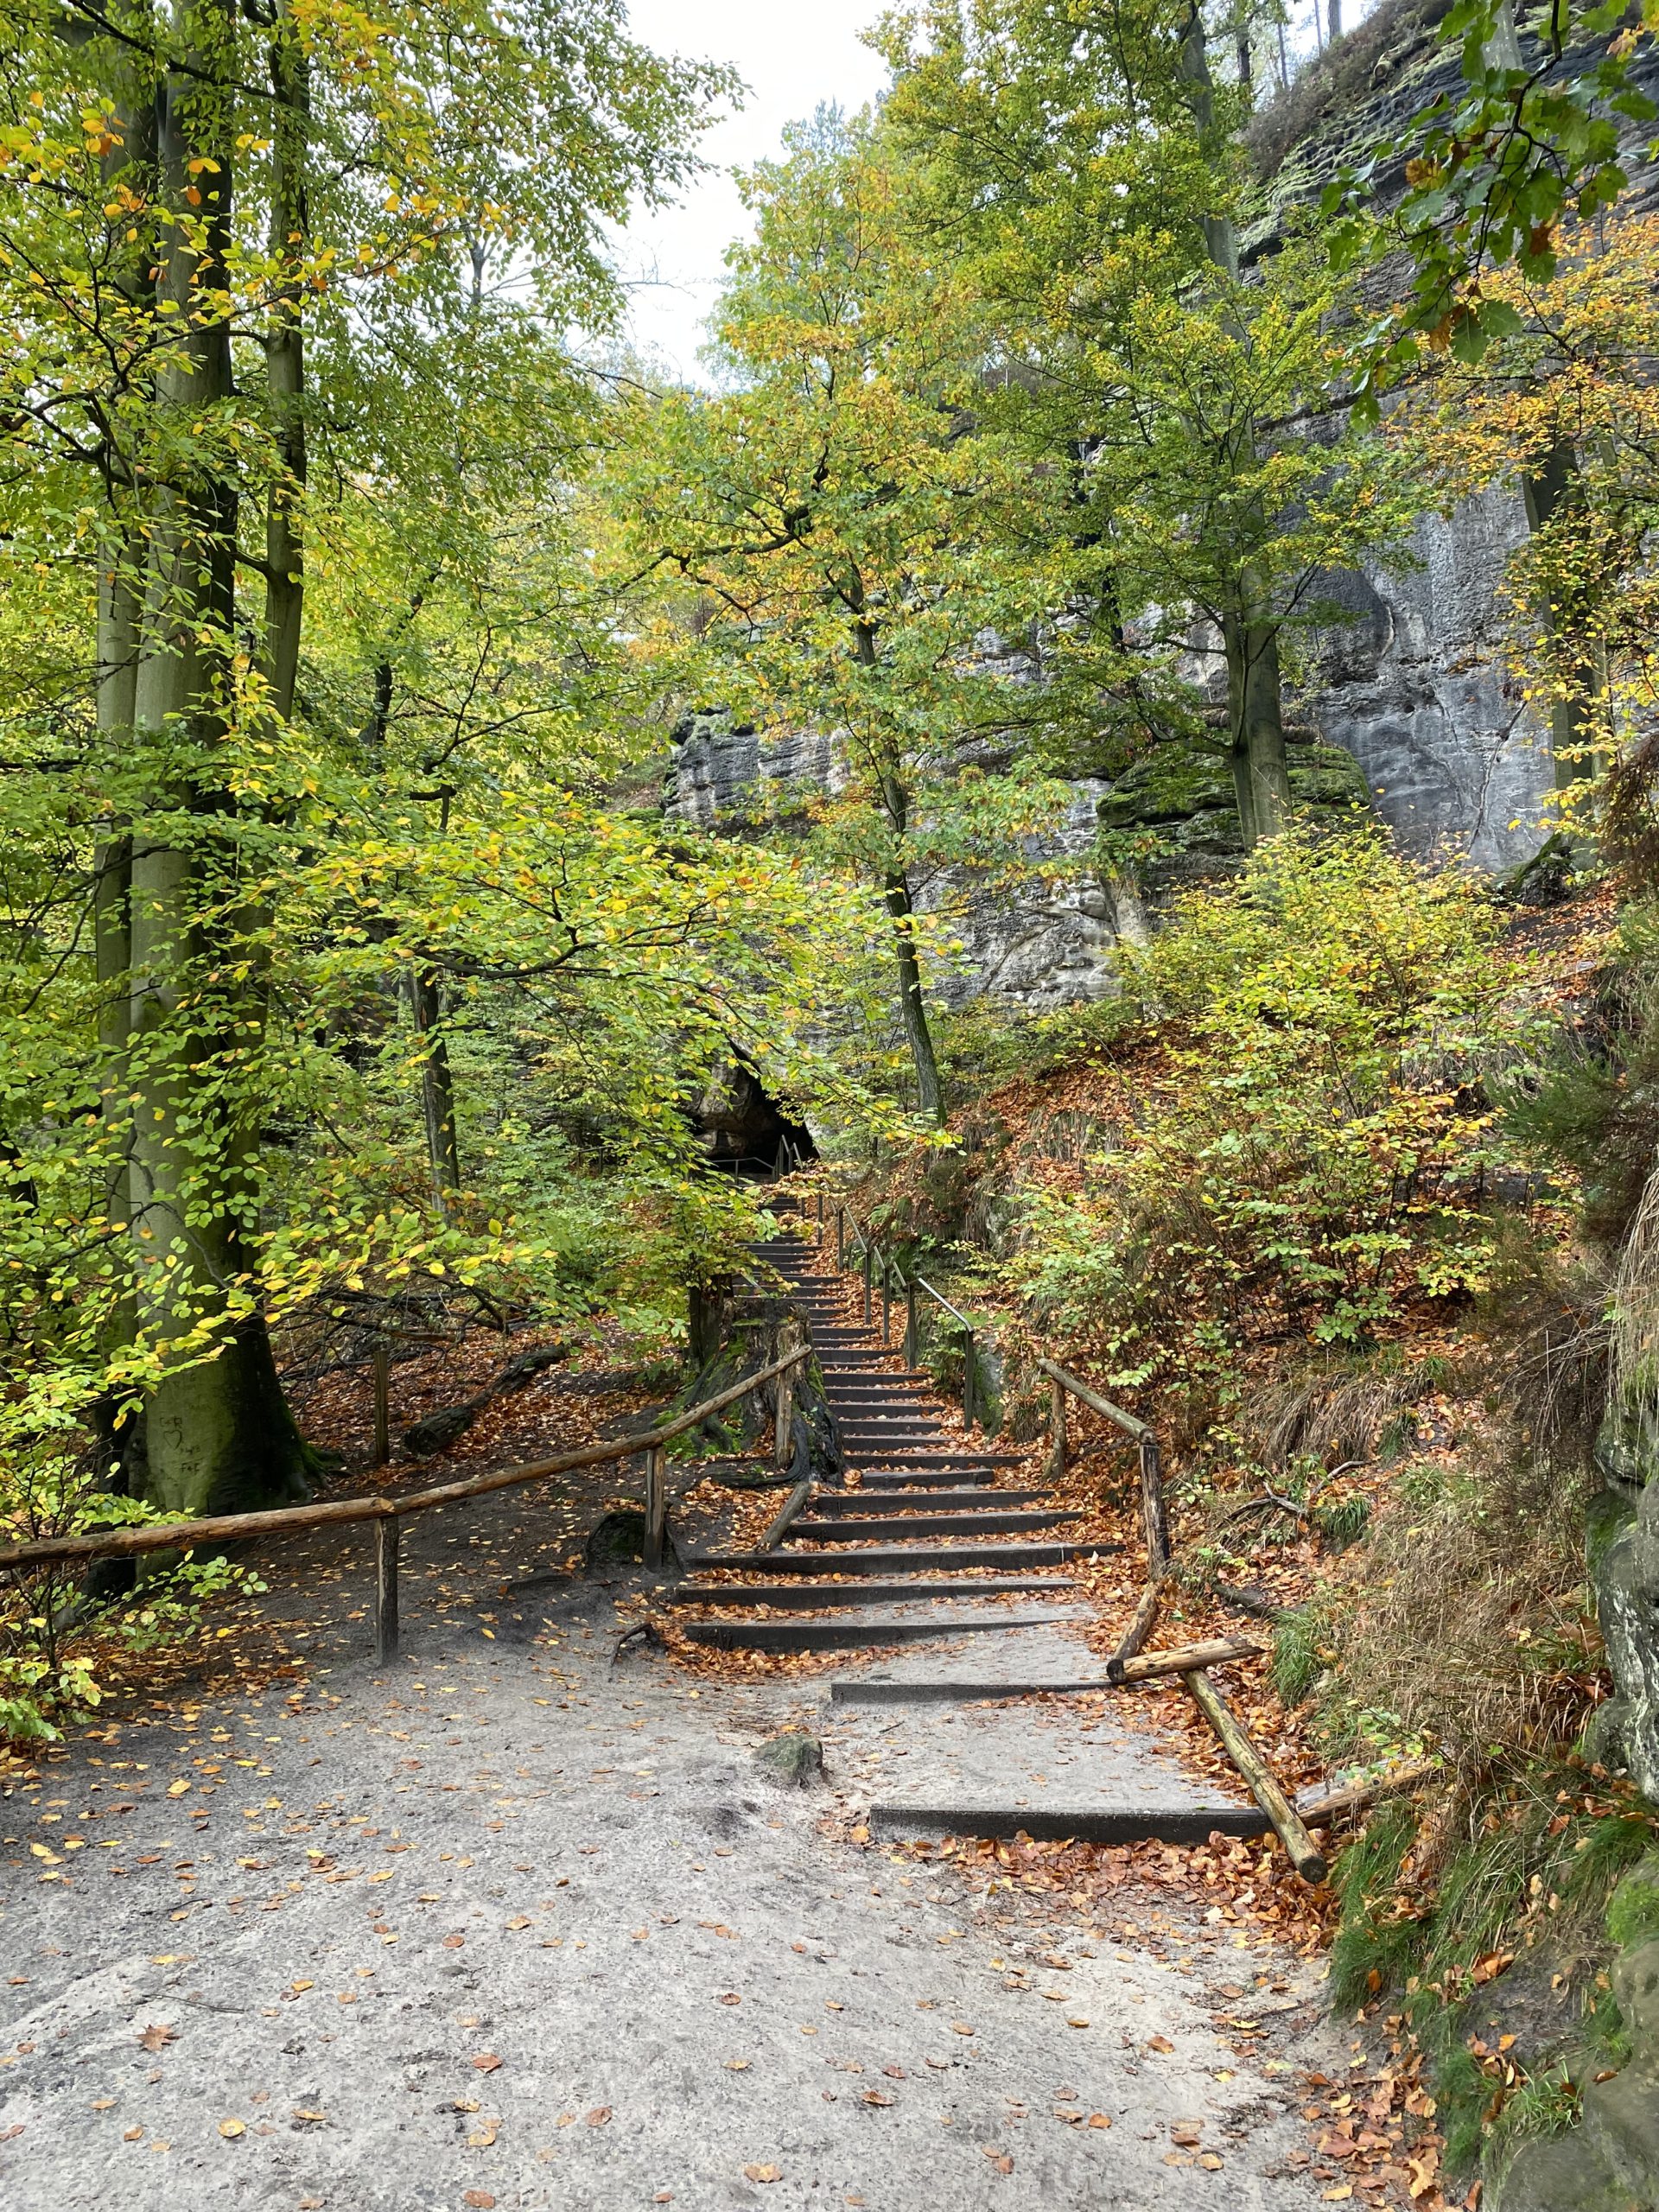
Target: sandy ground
(510,1924)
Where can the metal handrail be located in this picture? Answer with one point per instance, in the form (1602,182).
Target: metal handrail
(922,1283)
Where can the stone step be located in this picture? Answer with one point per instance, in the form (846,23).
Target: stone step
(965,1690)
(967,1458)
(880,1389)
(869,1371)
(884,1415)
(858,1436)
(897,1822)
(925,1524)
(856,1501)
(872,1628)
(819,1597)
(890,1559)
(929,1480)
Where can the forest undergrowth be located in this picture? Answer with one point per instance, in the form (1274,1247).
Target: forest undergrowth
(1300,1196)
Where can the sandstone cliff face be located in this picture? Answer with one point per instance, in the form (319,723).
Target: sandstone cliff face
(1413,697)
(1418,710)
(1417,687)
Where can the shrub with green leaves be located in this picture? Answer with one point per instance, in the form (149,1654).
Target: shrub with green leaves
(1307,1159)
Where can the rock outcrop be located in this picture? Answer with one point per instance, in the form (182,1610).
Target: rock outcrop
(1410,702)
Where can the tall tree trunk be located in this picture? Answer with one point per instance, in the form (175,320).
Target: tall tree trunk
(285,365)
(217,1433)
(1256,726)
(913,1006)
(1547,489)
(1333,20)
(1249,634)
(912,1009)
(437,1088)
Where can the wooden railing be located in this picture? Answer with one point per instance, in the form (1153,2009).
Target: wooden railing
(387,1513)
(1154,1513)
(881,1268)
(1191,1662)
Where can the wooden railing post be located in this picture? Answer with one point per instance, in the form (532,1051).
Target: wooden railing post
(236,1528)
(656,1510)
(1154,1511)
(1056,1428)
(783,1439)
(385,1591)
(382,1403)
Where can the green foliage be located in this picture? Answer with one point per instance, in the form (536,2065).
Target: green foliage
(1297,1660)
(1496,169)
(1633,1907)
(1374,1937)
(1531,1873)
(1343,1522)
(1306,1158)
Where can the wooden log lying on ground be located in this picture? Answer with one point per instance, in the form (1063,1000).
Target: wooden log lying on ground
(1146,1613)
(1304,1855)
(1188,1658)
(1410,1775)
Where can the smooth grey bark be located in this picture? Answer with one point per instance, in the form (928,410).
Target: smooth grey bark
(216,1434)
(285,367)
(912,1009)
(437,1087)
(1255,714)
(895,891)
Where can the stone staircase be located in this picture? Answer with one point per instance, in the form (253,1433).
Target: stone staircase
(924,1542)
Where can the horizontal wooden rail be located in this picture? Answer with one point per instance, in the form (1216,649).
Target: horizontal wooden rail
(1220,1651)
(1095,1403)
(1154,1513)
(186,1536)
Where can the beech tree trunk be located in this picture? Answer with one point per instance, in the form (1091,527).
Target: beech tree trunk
(285,367)
(437,1088)
(1547,489)
(218,1436)
(912,1009)
(1256,726)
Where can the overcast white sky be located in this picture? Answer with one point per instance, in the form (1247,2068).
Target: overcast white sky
(793,55)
